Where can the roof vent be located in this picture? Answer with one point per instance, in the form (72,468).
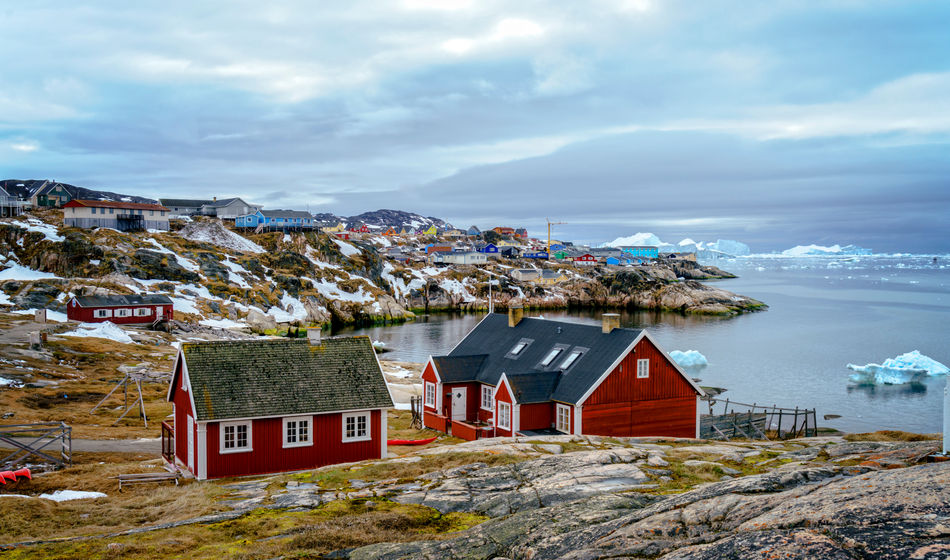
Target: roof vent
(611,321)
(313,336)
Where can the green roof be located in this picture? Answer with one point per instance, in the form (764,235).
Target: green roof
(254,378)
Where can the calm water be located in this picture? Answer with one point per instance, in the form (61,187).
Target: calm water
(824,314)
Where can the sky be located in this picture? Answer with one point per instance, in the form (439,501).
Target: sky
(775,123)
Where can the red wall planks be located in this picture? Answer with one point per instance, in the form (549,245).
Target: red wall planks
(623,386)
(665,417)
(269,455)
(536,416)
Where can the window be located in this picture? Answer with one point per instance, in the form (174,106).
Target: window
(504,415)
(571,358)
(486,397)
(123,312)
(554,353)
(430,394)
(643,369)
(356,427)
(100,313)
(563,421)
(93,210)
(151,212)
(143,311)
(235,437)
(518,348)
(297,431)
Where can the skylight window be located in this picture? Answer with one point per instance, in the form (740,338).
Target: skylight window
(571,358)
(518,348)
(554,353)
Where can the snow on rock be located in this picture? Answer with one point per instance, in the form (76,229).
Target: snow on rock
(455,287)
(222,323)
(346,248)
(689,358)
(5,299)
(101,330)
(330,290)
(182,305)
(314,258)
(234,273)
(17,272)
(187,264)
(54,316)
(50,232)
(896,371)
(66,495)
(297,311)
(213,232)
(817,250)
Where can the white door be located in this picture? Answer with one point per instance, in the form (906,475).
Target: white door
(191,442)
(458,403)
(158,312)
(563,422)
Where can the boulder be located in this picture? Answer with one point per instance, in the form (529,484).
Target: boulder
(259,322)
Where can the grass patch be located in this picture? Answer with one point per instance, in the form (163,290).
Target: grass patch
(891,435)
(268,533)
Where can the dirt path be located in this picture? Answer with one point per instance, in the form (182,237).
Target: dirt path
(104,445)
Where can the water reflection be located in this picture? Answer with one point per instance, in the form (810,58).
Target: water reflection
(885,392)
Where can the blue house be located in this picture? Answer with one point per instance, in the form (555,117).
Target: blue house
(646,251)
(488,248)
(558,246)
(536,255)
(473,231)
(613,260)
(276,219)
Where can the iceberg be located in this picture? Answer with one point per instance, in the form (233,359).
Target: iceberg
(689,358)
(818,250)
(905,368)
(730,247)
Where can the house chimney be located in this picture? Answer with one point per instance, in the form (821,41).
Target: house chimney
(313,336)
(214,199)
(611,321)
(515,313)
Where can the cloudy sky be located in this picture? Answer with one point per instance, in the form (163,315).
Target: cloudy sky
(775,123)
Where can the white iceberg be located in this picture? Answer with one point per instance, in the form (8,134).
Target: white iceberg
(818,250)
(101,330)
(689,358)
(896,371)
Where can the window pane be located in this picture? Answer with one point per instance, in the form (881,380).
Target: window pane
(570,360)
(550,357)
(303,430)
(518,348)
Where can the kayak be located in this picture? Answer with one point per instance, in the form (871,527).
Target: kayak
(411,441)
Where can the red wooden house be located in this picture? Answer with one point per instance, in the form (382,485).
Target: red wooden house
(121,310)
(585,260)
(359,228)
(528,376)
(262,406)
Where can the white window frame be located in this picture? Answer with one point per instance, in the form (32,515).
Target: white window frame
(571,359)
(504,415)
(143,311)
(643,368)
(122,312)
(566,410)
(356,416)
(430,394)
(518,348)
(102,313)
(297,420)
(487,391)
(221,439)
(551,356)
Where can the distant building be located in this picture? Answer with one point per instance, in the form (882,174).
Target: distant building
(122,216)
(276,219)
(51,195)
(184,206)
(641,251)
(473,231)
(120,310)
(10,205)
(229,208)
(469,257)
(525,274)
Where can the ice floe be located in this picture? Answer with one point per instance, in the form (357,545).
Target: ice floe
(689,358)
(896,371)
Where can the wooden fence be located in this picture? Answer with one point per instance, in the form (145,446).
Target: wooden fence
(755,421)
(33,440)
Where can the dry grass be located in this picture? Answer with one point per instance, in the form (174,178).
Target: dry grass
(891,435)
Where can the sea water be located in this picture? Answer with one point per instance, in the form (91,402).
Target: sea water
(824,313)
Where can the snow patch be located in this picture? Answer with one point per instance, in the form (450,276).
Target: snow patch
(17,272)
(101,330)
(54,316)
(896,371)
(50,232)
(333,291)
(297,311)
(66,495)
(221,323)
(346,248)
(214,232)
(183,305)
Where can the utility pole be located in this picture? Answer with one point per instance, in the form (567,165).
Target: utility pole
(550,223)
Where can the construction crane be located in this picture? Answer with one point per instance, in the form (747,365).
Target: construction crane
(550,223)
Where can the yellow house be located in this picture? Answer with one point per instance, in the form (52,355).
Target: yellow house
(431,231)
(335,229)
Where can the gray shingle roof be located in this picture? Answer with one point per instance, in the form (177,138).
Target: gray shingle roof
(460,368)
(493,338)
(182,202)
(533,387)
(119,301)
(286,214)
(255,378)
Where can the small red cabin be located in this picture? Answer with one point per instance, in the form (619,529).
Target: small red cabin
(253,407)
(121,310)
(585,260)
(513,376)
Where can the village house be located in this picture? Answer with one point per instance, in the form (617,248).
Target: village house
(528,376)
(122,216)
(585,259)
(228,208)
(434,248)
(638,251)
(276,220)
(9,204)
(542,255)
(120,309)
(431,230)
(51,195)
(459,257)
(253,407)
(487,248)
(525,274)
(183,206)
(551,277)
(473,231)
(504,230)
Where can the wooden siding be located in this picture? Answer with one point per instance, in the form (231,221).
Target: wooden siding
(674,417)
(182,406)
(464,431)
(622,385)
(473,399)
(536,416)
(504,395)
(429,375)
(270,456)
(434,421)
(87,314)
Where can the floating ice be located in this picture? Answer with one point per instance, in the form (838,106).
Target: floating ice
(813,250)
(896,371)
(689,358)
(101,330)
